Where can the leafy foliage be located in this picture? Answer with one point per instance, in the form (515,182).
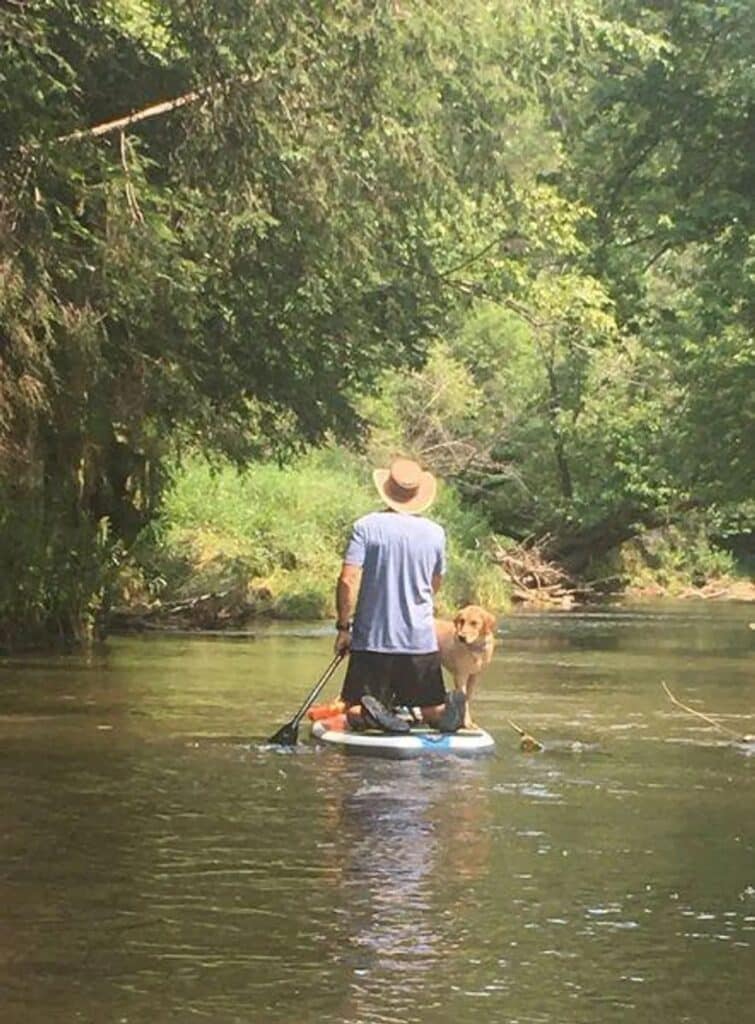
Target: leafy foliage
(223,225)
(611,355)
(275,536)
(225,274)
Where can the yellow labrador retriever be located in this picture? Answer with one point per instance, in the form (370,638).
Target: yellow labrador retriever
(466,649)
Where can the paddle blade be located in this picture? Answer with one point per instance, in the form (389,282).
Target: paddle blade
(286,736)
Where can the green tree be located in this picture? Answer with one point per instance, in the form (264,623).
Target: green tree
(219,223)
(672,234)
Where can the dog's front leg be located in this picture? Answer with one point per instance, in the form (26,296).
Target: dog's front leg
(468,689)
(463,683)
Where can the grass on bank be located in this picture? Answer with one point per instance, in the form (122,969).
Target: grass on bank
(272,538)
(268,541)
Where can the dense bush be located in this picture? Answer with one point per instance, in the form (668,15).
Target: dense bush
(277,534)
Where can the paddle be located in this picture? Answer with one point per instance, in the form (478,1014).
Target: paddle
(288,734)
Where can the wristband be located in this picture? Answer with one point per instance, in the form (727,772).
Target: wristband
(343,627)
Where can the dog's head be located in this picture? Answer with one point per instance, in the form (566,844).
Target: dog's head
(472,622)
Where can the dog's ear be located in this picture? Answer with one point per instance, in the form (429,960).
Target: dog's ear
(489,622)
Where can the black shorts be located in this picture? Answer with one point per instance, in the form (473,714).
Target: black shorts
(413,680)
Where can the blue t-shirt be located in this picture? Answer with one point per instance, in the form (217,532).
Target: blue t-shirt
(399,554)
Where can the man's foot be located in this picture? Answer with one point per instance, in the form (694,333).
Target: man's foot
(355,719)
(377,715)
(452,716)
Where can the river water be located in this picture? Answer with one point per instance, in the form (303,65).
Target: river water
(158,863)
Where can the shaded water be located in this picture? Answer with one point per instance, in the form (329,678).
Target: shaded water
(157,863)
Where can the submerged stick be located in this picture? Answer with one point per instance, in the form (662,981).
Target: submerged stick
(706,718)
(528,743)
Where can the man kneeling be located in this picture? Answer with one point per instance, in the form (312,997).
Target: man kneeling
(394,563)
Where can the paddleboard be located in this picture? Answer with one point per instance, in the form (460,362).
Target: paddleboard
(335,733)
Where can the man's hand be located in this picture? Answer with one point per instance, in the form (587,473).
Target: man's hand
(343,641)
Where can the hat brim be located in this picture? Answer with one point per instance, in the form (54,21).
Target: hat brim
(422,498)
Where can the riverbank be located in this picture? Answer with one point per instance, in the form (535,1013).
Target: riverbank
(231,547)
(725,589)
(231,614)
(234,548)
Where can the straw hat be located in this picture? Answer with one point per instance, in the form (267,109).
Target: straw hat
(405,486)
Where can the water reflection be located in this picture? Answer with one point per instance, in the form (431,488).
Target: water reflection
(408,837)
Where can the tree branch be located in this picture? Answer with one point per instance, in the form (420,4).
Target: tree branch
(155,110)
(656,256)
(706,718)
(479,291)
(515,241)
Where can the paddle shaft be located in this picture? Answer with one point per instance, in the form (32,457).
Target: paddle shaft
(287,733)
(315,691)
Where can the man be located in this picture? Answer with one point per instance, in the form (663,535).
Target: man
(394,563)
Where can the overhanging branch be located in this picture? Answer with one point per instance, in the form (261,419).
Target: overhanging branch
(154,110)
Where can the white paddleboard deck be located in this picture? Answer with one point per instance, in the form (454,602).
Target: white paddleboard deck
(421,740)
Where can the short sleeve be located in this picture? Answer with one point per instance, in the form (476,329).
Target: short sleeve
(355,549)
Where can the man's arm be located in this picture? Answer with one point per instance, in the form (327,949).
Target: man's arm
(347,589)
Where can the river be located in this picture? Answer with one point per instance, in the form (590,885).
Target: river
(159,863)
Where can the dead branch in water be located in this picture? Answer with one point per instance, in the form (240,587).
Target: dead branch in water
(527,743)
(535,579)
(706,718)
